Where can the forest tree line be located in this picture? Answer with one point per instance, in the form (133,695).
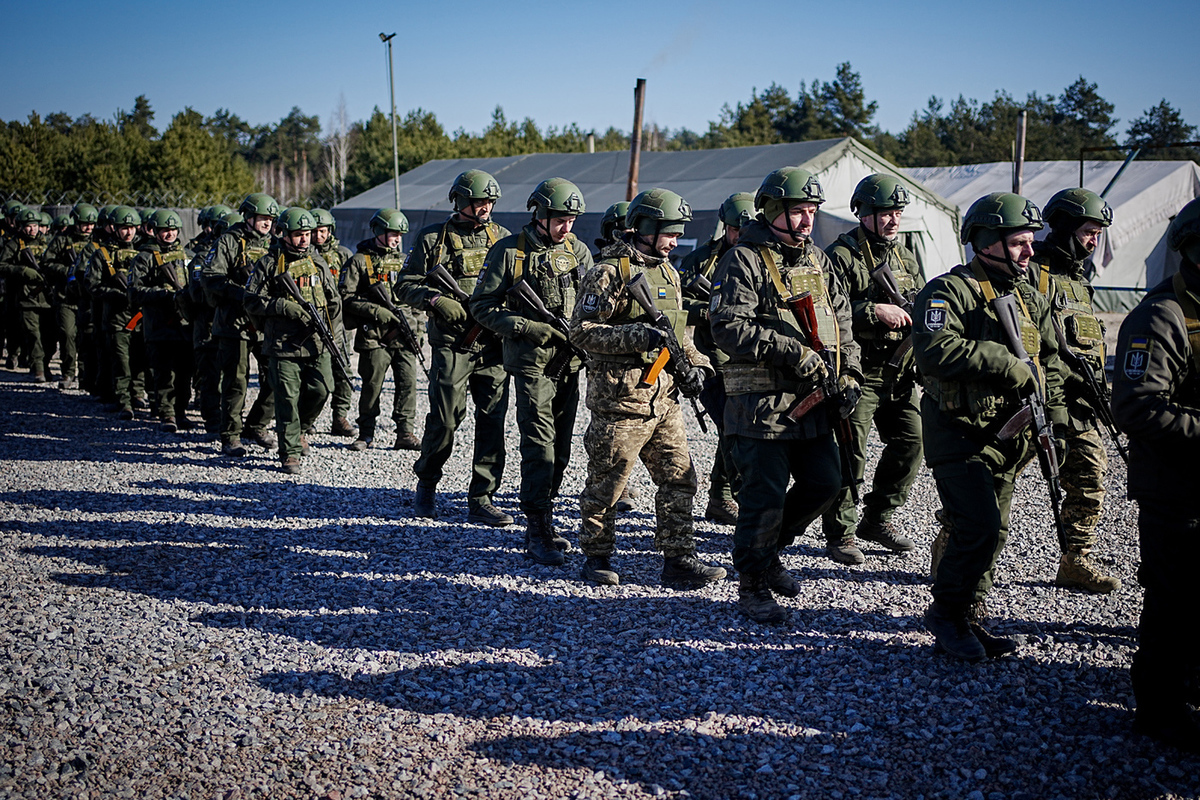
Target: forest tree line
(200,160)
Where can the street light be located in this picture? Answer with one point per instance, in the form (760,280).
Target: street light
(392,91)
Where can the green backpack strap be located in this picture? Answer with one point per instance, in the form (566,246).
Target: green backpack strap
(1191,316)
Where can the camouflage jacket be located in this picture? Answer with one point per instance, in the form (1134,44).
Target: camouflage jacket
(362,309)
(702,261)
(154,293)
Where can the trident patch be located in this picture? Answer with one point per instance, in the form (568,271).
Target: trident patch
(1137,357)
(935,315)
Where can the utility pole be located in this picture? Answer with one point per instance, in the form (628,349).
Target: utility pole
(392,91)
(635,140)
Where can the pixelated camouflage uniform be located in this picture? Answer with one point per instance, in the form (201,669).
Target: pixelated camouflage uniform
(629,420)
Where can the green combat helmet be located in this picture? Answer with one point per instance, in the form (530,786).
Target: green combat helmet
(1070,208)
(61,223)
(876,193)
(105,215)
(1183,234)
(204,217)
(259,204)
(996,215)
(388,219)
(121,216)
(613,220)
(165,220)
(738,210)
(324,219)
(27,215)
(556,197)
(784,186)
(295,219)
(474,184)
(228,221)
(217,213)
(658,211)
(45,219)
(83,213)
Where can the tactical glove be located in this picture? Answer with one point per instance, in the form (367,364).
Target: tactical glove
(31,275)
(448,309)
(539,334)
(654,339)
(288,309)
(1021,375)
(848,395)
(691,381)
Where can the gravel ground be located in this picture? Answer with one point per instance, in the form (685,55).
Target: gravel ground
(180,625)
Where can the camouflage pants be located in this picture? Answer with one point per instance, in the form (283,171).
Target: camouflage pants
(613,443)
(1082,476)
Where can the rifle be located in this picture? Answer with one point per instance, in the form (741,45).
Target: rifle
(1034,411)
(182,299)
(318,323)
(401,330)
(805,312)
(440,278)
(699,288)
(523,293)
(639,291)
(886,279)
(33,262)
(1097,396)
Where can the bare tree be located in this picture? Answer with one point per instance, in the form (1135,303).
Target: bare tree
(336,149)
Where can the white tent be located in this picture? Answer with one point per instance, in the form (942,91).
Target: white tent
(1132,254)
(704,178)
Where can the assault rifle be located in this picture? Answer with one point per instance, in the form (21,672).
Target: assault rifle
(805,313)
(886,279)
(1034,410)
(1097,395)
(401,330)
(28,255)
(523,293)
(182,299)
(673,352)
(438,277)
(699,288)
(318,323)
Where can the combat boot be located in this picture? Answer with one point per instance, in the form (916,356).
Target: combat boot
(721,511)
(1077,571)
(598,570)
(994,646)
(688,572)
(756,600)
(358,445)
(342,427)
(625,501)
(263,438)
(937,548)
(951,632)
(167,425)
(407,441)
(482,512)
(780,581)
(845,551)
(539,540)
(68,383)
(884,533)
(304,446)
(290,466)
(233,448)
(423,500)
(125,413)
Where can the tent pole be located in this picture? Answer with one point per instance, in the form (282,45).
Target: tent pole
(1132,155)
(635,140)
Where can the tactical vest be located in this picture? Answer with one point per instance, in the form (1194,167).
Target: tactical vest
(384,270)
(664,289)
(1071,303)
(464,262)
(116,272)
(553,273)
(249,254)
(308,278)
(175,260)
(333,256)
(805,276)
(875,293)
(985,400)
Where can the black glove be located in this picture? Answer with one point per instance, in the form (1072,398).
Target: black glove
(849,395)
(655,339)
(691,381)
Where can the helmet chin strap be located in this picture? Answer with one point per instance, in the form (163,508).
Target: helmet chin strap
(479,220)
(1008,265)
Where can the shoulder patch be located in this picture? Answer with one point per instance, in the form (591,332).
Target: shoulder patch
(714,298)
(1137,357)
(935,314)
(590,304)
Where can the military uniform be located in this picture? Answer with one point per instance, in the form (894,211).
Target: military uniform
(30,298)
(1156,402)
(378,347)
(336,255)
(765,344)
(299,363)
(889,389)
(225,275)
(124,356)
(205,347)
(546,407)
(461,247)
(60,260)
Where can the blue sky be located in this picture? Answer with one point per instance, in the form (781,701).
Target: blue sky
(573,62)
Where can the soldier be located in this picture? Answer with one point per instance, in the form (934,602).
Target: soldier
(1156,402)
(633,418)
(459,246)
(20,264)
(975,382)
(612,226)
(60,261)
(549,260)
(300,361)
(336,255)
(367,284)
(1077,217)
(157,281)
(772,367)
(119,323)
(883,330)
(204,346)
(698,267)
(224,276)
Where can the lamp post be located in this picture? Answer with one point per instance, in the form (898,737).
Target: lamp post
(387,39)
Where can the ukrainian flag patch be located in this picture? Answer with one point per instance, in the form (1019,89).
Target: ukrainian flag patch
(1137,357)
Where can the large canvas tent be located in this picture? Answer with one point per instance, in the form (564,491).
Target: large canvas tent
(1132,254)
(704,178)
